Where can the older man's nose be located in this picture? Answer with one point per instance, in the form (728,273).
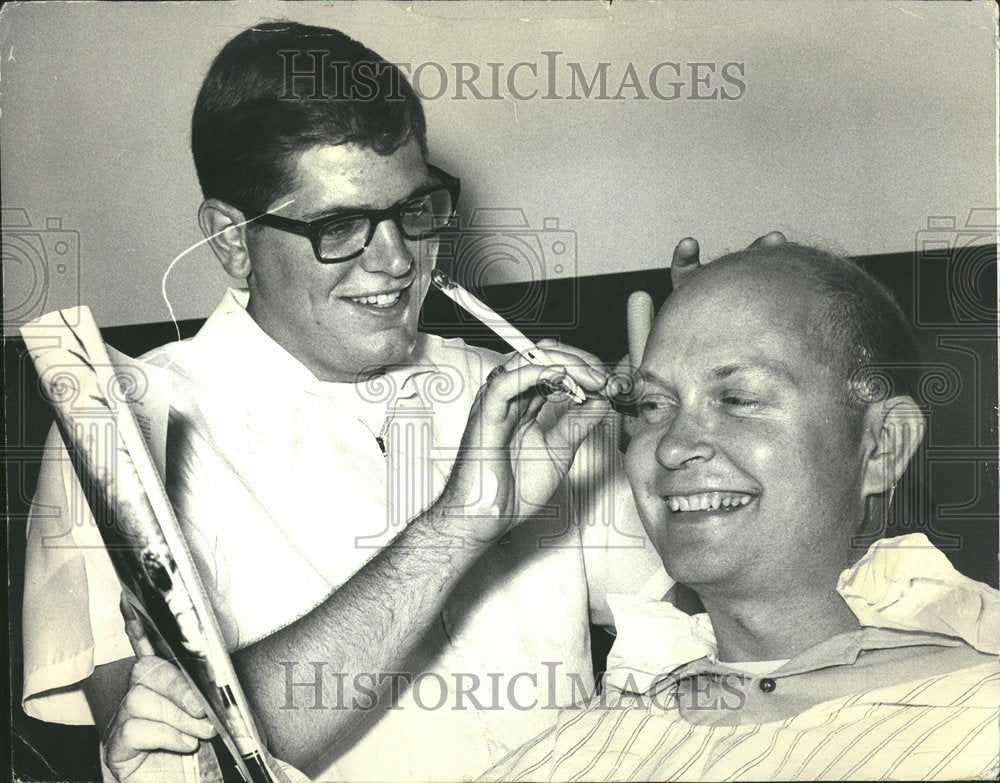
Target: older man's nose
(387,252)
(686,441)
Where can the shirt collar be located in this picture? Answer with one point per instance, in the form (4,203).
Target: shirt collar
(843,649)
(904,592)
(241,351)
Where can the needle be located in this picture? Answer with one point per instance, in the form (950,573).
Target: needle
(503,328)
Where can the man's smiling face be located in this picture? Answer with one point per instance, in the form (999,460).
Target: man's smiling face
(326,315)
(747,467)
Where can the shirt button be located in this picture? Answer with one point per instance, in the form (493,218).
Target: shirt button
(767,685)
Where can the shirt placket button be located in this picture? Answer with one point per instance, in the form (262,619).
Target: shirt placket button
(767,685)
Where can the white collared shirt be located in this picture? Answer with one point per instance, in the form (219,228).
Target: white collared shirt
(285,494)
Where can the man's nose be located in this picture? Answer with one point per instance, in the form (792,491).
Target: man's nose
(686,441)
(388,251)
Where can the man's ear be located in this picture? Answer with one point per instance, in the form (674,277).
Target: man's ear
(893,430)
(223,226)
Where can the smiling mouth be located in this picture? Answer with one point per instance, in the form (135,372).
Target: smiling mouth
(708,501)
(382,301)
(378,300)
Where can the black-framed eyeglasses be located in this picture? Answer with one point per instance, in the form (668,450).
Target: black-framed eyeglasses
(343,236)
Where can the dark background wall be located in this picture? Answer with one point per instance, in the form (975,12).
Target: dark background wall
(948,289)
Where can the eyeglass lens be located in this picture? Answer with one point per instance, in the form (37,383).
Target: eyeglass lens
(418,218)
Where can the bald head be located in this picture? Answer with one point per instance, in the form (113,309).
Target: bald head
(847,319)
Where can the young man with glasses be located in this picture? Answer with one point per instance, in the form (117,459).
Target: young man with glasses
(313,423)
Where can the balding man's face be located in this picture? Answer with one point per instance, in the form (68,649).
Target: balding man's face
(747,467)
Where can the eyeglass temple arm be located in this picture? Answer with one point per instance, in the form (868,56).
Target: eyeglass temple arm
(277,221)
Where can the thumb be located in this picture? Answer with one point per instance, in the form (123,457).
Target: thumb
(134,630)
(686,260)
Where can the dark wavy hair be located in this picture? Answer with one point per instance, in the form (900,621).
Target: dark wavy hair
(260,105)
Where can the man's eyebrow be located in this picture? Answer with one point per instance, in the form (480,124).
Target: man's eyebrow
(342,209)
(722,372)
(775,370)
(334,209)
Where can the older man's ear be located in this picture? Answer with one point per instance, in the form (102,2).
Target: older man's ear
(893,430)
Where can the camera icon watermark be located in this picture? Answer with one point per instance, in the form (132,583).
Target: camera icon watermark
(41,267)
(955,280)
(526,274)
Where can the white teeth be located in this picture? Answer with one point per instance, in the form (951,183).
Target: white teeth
(379,300)
(707,500)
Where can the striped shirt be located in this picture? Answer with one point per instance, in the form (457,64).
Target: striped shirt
(875,703)
(934,728)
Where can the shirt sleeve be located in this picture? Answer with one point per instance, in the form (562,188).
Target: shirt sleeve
(72,622)
(619,557)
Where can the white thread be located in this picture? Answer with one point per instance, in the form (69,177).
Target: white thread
(170,266)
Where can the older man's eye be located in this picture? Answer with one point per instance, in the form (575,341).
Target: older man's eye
(655,410)
(737,401)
